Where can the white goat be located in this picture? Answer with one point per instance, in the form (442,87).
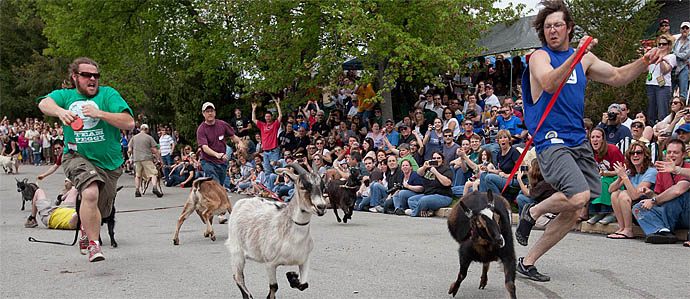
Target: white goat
(276,233)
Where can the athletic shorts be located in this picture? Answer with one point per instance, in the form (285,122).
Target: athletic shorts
(571,170)
(145,169)
(82,173)
(44,207)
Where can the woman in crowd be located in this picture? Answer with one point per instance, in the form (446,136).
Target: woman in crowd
(606,156)
(624,190)
(394,176)
(505,161)
(437,179)
(658,82)
(648,132)
(451,122)
(419,123)
(484,163)
(679,118)
(412,184)
(368,146)
(433,140)
(463,167)
(317,166)
(381,157)
(376,135)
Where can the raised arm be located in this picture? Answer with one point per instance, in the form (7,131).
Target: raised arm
(254,112)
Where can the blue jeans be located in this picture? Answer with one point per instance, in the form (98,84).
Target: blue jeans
(37,158)
(26,155)
(270,156)
(282,190)
(596,208)
(459,181)
(423,202)
(365,117)
(494,182)
(167,161)
(271,180)
(377,194)
(658,99)
(400,199)
(682,82)
(522,200)
(215,171)
(673,214)
(244,185)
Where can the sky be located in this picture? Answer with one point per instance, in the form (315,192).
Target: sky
(531,4)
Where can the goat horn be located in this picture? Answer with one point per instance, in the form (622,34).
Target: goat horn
(298,169)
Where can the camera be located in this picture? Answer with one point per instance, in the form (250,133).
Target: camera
(524,168)
(612,115)
(485,163)
(395,188)
(433,163)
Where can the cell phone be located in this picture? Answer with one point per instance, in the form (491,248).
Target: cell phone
(524,168)
(433,163)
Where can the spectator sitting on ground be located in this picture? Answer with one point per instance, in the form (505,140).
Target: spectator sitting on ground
(450,149)
(374,175)
(437,179)
(538,188)
(495,179)
(412,184)
(463,167)
(394,175)
(450,122)
(636,173)
(606,155)
(613,129)
(671,190)
(182,174)
(484,163)
(57,215)
(637,128)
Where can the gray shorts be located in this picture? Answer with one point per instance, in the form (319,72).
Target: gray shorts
(571,170)
(44,207)
(82,173)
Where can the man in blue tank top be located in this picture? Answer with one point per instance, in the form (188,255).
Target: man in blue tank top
(565,157)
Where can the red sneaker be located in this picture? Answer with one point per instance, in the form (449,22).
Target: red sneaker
(83,244)
(95,253)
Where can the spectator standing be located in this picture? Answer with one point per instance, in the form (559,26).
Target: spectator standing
(491,99)
(566,160)
(624,119)
(269,135)
(450,148)
(46,145)
(240,124)
(167,147)
(682,51)
(391,134)
(92,158)
(210,136)
(433,139)
(145,151)
(36,150)
(659,80)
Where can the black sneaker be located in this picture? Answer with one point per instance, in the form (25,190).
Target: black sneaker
(524,227)
(157,192)
(531,272)
(399,212)
(661,238)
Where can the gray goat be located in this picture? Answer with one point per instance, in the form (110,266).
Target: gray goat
(276,233)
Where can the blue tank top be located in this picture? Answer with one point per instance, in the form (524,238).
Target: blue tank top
(564,125)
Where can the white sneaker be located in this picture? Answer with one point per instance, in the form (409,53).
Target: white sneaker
(379,209)
(373,210)
(408,212)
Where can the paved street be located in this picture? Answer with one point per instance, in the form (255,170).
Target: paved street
(375,256)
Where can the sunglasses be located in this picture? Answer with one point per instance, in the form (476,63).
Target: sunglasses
(89,75)
(451,136)
(675,103)
(663,44)
(684,28)
(636,125)
(468,124)
(636,153)
(448,113)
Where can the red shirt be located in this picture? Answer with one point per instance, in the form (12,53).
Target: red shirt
(665,180)
(613,155)
(269,134)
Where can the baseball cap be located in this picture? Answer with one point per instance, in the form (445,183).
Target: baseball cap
(144,127)
(404,125)
(684,127)
(614,107)
(637,120)
(67,180)
(662,21)
(488,86)
(207,105)
(684,24)
(390,121)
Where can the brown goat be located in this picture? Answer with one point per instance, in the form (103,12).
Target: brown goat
(208,198)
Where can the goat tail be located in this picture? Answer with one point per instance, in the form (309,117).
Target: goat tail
(197,183)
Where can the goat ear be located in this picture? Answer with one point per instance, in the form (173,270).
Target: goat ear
(468,212)
(289,172)
(490,198)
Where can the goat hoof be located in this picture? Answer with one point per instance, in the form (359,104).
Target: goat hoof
(114,244)
(206,234)
(303,286)
(453,289)
(340,220)
(293,279)
(213,237)
(176,242)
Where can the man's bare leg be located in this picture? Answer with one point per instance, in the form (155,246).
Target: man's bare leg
(560,226)
(89,213)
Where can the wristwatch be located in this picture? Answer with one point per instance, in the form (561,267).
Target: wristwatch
(654,200)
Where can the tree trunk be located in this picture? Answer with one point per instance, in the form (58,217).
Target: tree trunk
(387,105)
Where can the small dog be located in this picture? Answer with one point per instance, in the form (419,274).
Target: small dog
(342,194)
(7,163)
(27,190)
(208,198)
(110,220)
(480,223)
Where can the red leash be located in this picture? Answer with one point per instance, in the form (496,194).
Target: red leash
(578,58)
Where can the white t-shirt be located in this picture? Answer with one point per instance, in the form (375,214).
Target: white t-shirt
(456,130)
(491,101)
(655,70)
(627,123)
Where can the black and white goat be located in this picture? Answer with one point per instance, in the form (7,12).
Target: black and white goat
(275,233)
(27,190)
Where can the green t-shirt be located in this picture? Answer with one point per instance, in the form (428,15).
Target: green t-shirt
(98,141)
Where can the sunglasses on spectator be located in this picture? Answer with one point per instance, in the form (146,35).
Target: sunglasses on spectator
(451,113)
(676,103)
(636,153)
(468,124)
(636,125)
(684,28)
(319,142)
(436,158)
(89,75)
(451,136)
(663,44)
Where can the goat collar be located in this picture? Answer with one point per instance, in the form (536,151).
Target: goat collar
(300,224)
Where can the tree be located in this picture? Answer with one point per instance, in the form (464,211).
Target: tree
(619,25)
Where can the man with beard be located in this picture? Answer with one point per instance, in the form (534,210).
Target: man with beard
(92,157)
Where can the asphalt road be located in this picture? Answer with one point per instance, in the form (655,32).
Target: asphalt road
(374,256)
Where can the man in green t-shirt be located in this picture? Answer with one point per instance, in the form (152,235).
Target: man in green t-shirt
(92,157)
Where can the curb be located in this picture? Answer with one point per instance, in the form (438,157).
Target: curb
(584,227)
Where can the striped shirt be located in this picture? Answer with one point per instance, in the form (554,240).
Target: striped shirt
(166,143)
(624,145)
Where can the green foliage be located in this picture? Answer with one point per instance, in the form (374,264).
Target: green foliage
(619,26)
